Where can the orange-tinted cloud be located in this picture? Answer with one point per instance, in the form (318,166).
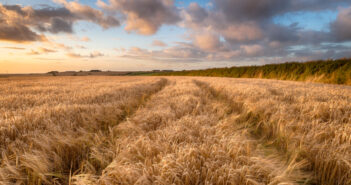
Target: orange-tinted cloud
(144,17)
(24,24)
(93,54)
(16,48)
(84,12)
(207,41)
(13,26)
(242,32)
(159,43)
(251,50)
(247,29)
(85,39)
(40,51)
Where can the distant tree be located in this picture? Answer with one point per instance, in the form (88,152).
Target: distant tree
(53,73)
(95,71)
(327,71)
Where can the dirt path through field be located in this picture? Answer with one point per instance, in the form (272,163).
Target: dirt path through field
(186,134)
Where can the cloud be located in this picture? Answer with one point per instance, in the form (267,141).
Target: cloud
(54,20)
(60,45)
(187,52)
(181,52)
(207,41)
(253,10)
(246,29)
(224,30)
(233,30)
(93,54)
(84,12)
(18,33)
(74,55)
(158,43)
(282,34)
(237,10)
(40,51)
(341,27)
(13,27)
(85,39)
(196,13)
(80,47)
(144,17)
(22,24)
(252,50)
(60,25)
(16,48)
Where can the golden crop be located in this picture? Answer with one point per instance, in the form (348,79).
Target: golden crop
(173,130)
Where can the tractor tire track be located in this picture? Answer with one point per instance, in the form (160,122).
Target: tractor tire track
(245,123)
(53,154)
(185,135)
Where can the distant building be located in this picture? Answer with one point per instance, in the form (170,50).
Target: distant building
(167,70)
(156,70)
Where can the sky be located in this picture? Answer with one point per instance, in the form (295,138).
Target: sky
(137,35)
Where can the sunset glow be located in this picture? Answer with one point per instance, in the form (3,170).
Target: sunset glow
(138,35)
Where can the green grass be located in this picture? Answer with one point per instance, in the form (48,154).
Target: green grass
(330,71)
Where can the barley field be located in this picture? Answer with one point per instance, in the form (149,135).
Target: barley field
(173,130)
